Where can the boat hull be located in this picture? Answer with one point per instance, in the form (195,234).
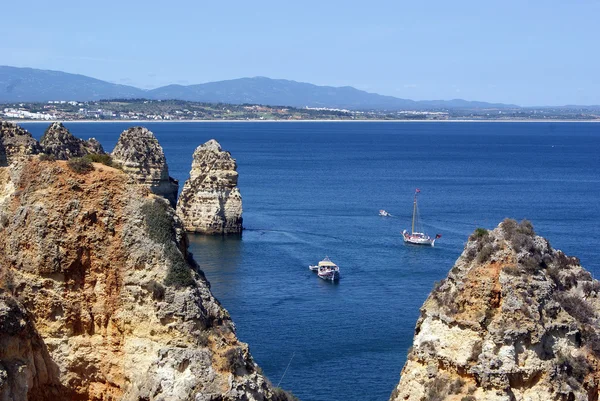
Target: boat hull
(418,239)
(331,276)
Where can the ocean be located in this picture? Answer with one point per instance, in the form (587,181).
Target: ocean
(312,189)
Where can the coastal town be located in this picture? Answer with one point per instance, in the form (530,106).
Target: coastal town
(176,110)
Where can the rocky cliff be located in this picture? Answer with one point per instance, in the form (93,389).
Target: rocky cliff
(141,156)
(16,143)
(210,202)
(100,299)
(60,143)
(513,320)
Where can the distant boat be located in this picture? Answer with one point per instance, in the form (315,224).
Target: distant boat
(383,213)
(327,270)
(418,237)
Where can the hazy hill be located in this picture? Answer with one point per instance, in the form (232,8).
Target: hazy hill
(28,84)
(32,85)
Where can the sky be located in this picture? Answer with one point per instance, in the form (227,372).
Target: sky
(522,52)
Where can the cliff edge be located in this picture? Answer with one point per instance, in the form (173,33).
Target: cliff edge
(513,320)
(210,202)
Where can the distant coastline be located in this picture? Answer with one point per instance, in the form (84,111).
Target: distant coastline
(301,121)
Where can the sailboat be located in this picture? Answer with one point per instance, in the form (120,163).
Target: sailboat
(418,237)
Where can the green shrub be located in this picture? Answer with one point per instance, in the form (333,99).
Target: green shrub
(233,359)
(99,158)
(531,264)
(80,165)
(157,289)
(160,225)
(485,253)
(478,234)
(439,388)
(512,270)
(179,274)
(161,230)
(576,307)
(589,287)
(563,261)
(520,235)
(45,157)
(202,339)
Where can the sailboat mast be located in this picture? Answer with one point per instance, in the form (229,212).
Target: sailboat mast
(414,213)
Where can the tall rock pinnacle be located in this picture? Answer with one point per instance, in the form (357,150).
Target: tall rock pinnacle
(210,202)
(141,156)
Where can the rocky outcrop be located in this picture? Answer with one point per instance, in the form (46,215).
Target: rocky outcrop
(101,299)
(16,143)
(210,202)
(141,156)
(60,143)
(513,320)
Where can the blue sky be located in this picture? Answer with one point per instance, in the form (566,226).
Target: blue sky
(524,52)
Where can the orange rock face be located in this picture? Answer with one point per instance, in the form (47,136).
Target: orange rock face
(513,320)
(97,268)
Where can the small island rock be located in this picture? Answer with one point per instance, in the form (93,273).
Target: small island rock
(210,202)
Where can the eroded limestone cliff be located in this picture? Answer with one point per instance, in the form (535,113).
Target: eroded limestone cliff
(60,143)
(100,299)
(210,202)
(141,156)
(513,320)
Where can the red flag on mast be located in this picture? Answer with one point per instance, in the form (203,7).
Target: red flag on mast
(418,190)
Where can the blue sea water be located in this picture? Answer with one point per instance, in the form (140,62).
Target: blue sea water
(314,189)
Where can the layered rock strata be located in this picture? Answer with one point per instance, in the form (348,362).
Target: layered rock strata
(16,143)
(60,143)
(210,202)
(513,320)
(141,156)
(100,299)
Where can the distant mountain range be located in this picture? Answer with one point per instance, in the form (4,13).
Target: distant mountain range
(33,85)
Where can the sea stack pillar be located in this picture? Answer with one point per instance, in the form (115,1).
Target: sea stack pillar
(210,202)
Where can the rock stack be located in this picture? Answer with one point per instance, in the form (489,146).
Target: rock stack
(60,143)
(141,156)
(210,202)
(16,143)
(513,320)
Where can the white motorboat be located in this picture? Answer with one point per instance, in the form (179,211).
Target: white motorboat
(384,213)
(327,270)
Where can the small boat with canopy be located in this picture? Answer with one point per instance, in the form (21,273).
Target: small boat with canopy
(327,270)
(418,237)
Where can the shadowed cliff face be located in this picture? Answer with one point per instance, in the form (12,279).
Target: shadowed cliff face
(514,320)
(210,202)
(95,271)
